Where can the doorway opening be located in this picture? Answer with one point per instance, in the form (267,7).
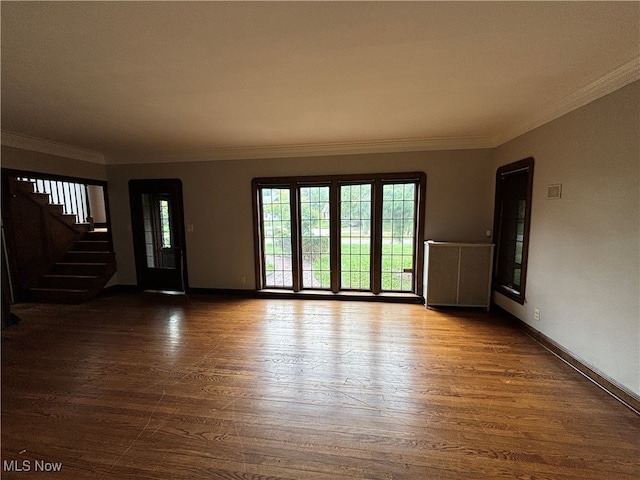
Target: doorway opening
(157,224)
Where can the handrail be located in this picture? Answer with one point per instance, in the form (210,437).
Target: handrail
(72,196)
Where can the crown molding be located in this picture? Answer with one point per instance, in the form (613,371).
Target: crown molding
(309,150)
(33,144)
(624,75)
(620,77)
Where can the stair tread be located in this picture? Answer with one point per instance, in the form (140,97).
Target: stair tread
(88,251)
(60,290)
(62,275)
(93,264)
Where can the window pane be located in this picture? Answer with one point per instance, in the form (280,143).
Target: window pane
(516,277)
(522,208)
(398,232)
(276,217)
(355,237)
(314,225)
(518,256)
(165,225)
(150,247)
(157,232)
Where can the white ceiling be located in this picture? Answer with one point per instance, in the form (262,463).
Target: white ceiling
(160,81)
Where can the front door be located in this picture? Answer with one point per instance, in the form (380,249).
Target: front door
(157,226)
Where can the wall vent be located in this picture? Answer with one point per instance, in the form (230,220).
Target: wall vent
(554,191)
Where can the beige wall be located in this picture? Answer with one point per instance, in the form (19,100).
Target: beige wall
(217,202)
(18,159)
(584,256)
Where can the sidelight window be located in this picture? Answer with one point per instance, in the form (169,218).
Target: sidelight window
(355,237)
(398,236)
(165,224)
(315,237)
(276,239)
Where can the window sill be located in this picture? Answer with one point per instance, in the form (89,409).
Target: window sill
(390,297)
(514,295)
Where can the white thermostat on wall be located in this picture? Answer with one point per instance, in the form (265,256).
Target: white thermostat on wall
(554,191)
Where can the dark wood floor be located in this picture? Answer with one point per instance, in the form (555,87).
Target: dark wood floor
(154,387)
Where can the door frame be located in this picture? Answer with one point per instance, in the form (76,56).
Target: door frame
(173,187)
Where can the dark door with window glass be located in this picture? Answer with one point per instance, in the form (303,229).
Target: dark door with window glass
(157,226)
(512,223)
(512,218)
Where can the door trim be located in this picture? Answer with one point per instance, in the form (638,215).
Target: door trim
(160,185)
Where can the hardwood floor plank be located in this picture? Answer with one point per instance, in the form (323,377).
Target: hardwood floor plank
(141,386)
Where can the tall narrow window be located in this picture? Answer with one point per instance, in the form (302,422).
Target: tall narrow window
(511,227)
(358,233)
(355,237)
(276,237)
(398,236)
(165,224)
(315,217)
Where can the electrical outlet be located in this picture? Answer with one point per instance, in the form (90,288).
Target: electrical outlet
(243,280)
(536,314)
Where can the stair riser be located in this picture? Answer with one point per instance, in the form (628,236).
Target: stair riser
(72,283)
(69,218)
(58,209)
(88,257)
(102,236)
(71,290)
(92,246)
(58,297)
(79,269)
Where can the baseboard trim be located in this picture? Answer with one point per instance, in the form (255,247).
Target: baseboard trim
(617,391)
(313,295)
(222,291)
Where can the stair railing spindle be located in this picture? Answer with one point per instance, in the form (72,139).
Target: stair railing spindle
(47,189)
(54,193)
(72,197)
(81,216)
(85,201)
(67,197)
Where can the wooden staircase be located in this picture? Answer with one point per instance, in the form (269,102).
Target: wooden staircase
(61,260)
(81,274)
